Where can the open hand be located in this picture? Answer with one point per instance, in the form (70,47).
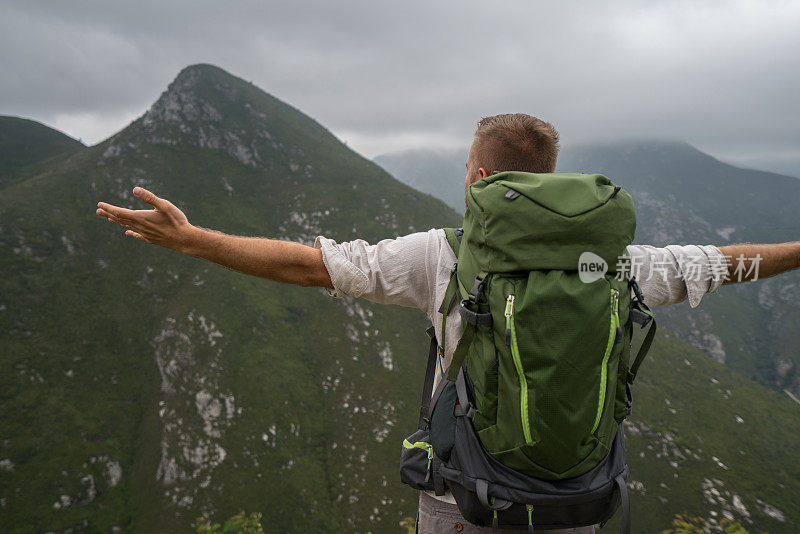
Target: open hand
(165,225)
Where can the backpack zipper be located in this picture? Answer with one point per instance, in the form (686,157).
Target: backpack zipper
(613,330)
(511,340)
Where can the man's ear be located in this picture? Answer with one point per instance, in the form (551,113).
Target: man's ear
(483,173)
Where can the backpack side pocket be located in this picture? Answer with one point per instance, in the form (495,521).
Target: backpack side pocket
(416,461)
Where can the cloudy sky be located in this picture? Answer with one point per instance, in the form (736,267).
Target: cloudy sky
(385,76)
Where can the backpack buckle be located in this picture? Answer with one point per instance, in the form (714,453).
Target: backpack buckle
(426,422)
(477,287)
(636,290)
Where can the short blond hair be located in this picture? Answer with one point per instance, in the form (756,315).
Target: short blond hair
(515,142)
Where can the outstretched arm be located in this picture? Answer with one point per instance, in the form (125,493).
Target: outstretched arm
(748,262)
(167,226)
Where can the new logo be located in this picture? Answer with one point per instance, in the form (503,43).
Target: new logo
(591,267)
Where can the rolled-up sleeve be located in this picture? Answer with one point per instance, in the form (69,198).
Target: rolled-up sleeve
(676,273)
(392,271)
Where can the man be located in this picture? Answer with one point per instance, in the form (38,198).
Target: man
(414,270)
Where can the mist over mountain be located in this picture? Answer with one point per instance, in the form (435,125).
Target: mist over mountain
(140,388)
(438,173)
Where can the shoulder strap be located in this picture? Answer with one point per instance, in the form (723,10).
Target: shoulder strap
(454,240)
(427,389)
(454,236)
(451,293)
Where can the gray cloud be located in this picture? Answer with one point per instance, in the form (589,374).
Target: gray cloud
(384,76)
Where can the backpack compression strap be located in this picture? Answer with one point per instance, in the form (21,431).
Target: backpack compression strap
(625,501)
(471,319)
(640,313)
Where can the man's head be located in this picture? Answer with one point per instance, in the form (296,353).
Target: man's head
(512,142)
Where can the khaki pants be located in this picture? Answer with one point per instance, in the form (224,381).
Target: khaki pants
(439,517)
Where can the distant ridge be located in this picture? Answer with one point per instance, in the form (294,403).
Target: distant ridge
(25,142)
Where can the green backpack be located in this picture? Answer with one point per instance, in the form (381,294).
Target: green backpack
(532,407)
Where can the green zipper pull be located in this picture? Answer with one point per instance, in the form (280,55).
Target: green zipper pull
(430,460)
(508,314)
(530,518)
(615,311)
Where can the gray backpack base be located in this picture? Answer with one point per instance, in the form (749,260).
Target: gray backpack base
(589,499)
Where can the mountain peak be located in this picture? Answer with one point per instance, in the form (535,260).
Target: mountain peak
(203,68)
(208,107)
(189,100)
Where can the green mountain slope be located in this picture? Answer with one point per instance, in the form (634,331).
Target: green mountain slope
(702,439)
(24,142)
(140,388)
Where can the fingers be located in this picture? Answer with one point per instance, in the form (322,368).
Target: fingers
(126,223)
(135,235)
(146,196)
(108,210)
(103,213)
